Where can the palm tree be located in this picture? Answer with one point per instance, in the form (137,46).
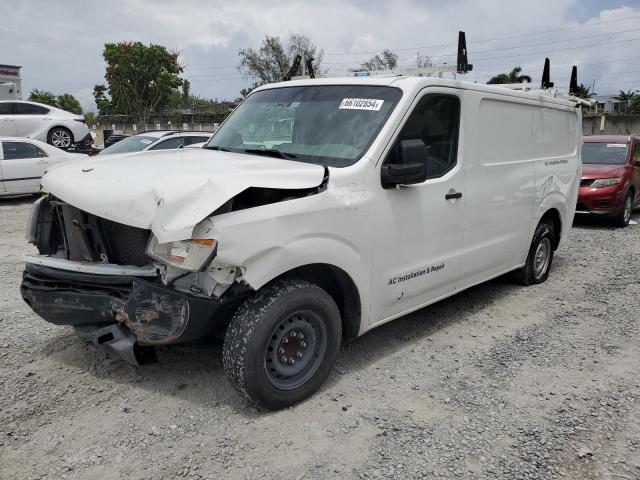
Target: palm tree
(624,98)
(512,77)
(583,91)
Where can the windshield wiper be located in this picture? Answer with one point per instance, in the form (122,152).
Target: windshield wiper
(216,147)
(270,152)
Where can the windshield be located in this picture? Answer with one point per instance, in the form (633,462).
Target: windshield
(137,143)
(330,125)
(604,153)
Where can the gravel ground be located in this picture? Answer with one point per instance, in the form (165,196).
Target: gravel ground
(498,382)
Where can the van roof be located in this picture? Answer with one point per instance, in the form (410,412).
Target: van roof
(411,84)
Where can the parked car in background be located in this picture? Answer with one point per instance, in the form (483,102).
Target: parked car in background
(42,122)
(156,140)
(610,181)
(114,138)
(196,145)
(24,161)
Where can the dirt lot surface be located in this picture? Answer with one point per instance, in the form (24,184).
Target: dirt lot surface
(500,381)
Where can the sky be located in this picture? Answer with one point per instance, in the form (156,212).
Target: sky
(60,49)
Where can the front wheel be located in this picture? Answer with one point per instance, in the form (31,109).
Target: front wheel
(282,343)
(624,217)
(60,137)
(536,269)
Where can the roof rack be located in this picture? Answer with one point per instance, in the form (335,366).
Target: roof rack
(462,66)
(547,87)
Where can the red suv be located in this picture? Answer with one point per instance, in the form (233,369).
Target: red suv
(610,182)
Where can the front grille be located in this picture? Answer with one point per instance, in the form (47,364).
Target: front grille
(586,183)
(581,207)
(80,236)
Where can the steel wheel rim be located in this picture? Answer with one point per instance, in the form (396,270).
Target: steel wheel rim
(291,360)
(627,209)
(542,258)
(60,138)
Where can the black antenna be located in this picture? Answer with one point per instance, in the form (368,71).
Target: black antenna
(309,63)
(294,68)
(546,75)
(573,84)
(463,65)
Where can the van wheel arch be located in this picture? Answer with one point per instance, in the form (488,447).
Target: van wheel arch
(339,285)
(552,217)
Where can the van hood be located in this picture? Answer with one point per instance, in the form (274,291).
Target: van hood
(170,191)
(593,171)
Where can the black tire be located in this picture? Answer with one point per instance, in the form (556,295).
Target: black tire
(60,137)
(624,216)
(274,319)
(536,270)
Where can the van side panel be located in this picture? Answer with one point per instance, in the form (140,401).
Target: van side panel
(557,142)
(500,187)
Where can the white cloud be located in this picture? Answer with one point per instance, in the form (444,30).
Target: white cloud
(61,48)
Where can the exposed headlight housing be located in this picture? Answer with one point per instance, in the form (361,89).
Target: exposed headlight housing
(192,255)
(605,182)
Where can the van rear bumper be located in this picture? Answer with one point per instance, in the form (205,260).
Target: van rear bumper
(154,313)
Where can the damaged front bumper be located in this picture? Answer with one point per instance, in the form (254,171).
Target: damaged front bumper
(123,312)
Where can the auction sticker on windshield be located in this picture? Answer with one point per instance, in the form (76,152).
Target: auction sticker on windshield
(616,145)
(361,104)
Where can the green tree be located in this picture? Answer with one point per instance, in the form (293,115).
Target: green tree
(625,99)
(102,102)
(268,64)
(186,92)
(141,78)
(634,106)
(583,91)
(43,96)
(246,91)
(90,118)
(69,103)
(271,62)
(388,60)
(512,77)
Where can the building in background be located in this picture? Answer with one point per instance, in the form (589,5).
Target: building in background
(609,104)
(10,82)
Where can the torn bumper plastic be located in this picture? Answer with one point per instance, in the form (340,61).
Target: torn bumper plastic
(153,313)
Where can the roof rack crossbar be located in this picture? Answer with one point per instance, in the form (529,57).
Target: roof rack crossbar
(462,66)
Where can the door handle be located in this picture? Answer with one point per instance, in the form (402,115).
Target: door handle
(453,195)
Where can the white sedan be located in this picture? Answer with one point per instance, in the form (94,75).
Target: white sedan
(42,122)
(23,162)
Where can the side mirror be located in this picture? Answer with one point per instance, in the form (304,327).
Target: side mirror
(412,167)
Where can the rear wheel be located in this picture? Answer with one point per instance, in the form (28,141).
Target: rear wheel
(60,137)
(540,257)
(282,343)
(623,218)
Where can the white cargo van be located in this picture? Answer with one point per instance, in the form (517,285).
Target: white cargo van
(319,210)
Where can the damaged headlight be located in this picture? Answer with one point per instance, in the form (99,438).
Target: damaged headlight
(190,255)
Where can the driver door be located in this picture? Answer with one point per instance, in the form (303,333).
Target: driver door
(419,248)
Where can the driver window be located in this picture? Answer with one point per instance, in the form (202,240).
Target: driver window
(435,120)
